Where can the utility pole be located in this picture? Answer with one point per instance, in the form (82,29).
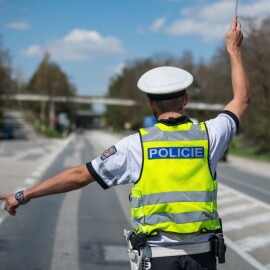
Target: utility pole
(51,114)
(43,111)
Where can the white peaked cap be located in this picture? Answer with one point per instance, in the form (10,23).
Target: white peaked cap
(165,80)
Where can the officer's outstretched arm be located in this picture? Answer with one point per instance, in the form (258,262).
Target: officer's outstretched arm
(67,180)
(240,84)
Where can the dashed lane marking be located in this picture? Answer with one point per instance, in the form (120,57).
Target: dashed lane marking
(30,181)
(2,218)
(65,252)
(228,200)
(223,192)
(250,243)
(37,173)
(236,193)
(246,222)
(237,209)
(245,184)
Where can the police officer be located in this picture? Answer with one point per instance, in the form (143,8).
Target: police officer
(172,166)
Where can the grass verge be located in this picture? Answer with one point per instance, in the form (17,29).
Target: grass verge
(240,148)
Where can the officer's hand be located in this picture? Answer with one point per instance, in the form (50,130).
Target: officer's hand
(11,204)
(234,36)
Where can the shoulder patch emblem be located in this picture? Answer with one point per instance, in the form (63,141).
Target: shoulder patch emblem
(109,152)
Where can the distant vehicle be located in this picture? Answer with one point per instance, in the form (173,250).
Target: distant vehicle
(224,157)
(79,130)
(6,132)
(149,121)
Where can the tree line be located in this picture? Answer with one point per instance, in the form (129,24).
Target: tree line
(212,84)
(5,72)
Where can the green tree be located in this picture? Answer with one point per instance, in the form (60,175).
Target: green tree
(5,73)
(124,85)
(50,80)
(5,76)
(257,57)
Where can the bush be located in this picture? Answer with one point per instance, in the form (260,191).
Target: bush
(48,132)
(240,147)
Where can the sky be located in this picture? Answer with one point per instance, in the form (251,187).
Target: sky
(92,40)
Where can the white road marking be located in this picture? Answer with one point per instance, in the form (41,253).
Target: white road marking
(246,222)
(19,189)
(123,199)
(223,192)
(2,219)
(75,159)
(65,252)
(250,243)
(228,200)
(30,181)
(71,161)
(245,196)
(37,174)
(3,213)
(2,205)
(245,184)
(251,260)
(237,209)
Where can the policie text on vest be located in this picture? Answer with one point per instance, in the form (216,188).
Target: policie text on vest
(175,152)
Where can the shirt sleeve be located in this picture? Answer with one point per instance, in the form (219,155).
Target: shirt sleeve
(118,165)
(221,131)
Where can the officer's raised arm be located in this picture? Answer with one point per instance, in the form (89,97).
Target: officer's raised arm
(240,84)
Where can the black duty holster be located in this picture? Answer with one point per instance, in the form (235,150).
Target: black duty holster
(137,240)
(219,247)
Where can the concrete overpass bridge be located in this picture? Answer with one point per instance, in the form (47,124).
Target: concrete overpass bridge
(101,100)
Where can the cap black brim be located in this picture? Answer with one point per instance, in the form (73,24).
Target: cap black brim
(166,96)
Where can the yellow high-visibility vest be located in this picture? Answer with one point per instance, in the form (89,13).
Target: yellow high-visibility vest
(176,191)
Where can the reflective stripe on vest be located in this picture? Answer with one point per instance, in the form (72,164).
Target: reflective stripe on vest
(176,191)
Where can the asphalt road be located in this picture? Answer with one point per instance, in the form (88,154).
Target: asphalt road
(83,229)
